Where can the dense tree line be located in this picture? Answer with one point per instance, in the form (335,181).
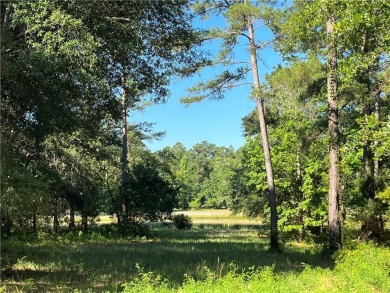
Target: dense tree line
(317,144)
(71,73)
(318,117)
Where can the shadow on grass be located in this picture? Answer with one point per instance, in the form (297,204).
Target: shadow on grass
(103,265)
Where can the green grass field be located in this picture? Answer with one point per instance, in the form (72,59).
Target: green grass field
(218,245)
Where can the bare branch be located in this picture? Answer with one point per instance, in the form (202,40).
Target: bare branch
(263,45)
(232,85)
(259,26)
(118,18)
(246,36)
(233,62)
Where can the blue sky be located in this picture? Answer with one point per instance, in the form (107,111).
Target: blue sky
(218,122)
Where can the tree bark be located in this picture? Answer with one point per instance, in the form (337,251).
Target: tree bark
(34,222)
(84,222)
(373,226)
(264,138)
(376,142)
(368,155)
(6,17)
(56,221)
(377,112)
(71,218)
(334,176)
(6,225)
(125,165)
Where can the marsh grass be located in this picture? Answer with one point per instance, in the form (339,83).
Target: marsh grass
(92,262)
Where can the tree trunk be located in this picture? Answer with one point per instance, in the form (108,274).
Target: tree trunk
(34,222)
(6,225)
(6,16)
(377,112)
(124,149)
(264,138)
(84,222)
(71,218)
(56,222)
(113,202)
(372,227)
(334,176)
(368,155)
(376,142)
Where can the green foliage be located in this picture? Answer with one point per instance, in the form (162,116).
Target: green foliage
(60,144)
(146,282)
(181,221)
(205,176)
(61,66)
(367,266)
(298,150)
(361,270)
(148,194)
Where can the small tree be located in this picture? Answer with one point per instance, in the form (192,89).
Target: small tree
(150,195)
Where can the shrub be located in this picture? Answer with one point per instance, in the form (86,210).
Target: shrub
(135,230)
(182,221)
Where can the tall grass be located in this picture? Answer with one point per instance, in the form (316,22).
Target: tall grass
(365,269)
(212,254)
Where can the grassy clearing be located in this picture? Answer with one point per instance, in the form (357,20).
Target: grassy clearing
(364,269)
(219,217)
(199,258)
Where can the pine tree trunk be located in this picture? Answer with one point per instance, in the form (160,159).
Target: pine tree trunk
(6,225)
(84,222)
(56,222)
(71,218)
(372,227)
(377,112)
(124,149)
(6,17)
(368,155)
(376,142)
(34,222)
(334,176)
(368,188)
(264,138)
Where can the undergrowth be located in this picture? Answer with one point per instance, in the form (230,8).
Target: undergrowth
(365,268)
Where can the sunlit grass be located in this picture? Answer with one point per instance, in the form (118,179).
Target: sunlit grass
(207,216)
(211,248)
(225,217)
(55,266)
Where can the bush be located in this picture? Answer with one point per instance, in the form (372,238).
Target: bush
(182,221)
(135,230)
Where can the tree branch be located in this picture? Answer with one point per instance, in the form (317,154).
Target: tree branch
(118,18)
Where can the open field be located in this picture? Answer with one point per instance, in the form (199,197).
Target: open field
(219,217)
(81,261)
(222,217)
